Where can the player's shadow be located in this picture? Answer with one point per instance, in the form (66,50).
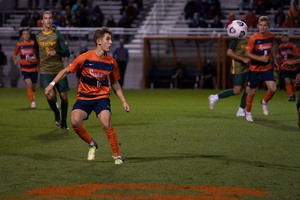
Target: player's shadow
(277,125)
(222,158)
(54,135)
(33,109)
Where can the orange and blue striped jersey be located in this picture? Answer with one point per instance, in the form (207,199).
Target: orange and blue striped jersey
(95,73)
(282,51)
(26,50)
(259,46)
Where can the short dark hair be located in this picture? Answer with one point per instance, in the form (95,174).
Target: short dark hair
(24,29)
(99,33)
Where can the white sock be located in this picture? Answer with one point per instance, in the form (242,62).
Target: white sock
(241,109)
(263,101)
(248,113)
(215,97)
(92,143)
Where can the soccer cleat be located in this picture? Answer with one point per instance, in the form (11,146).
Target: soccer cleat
(64,125)
(264,107)
(118,160)
(32,105)
(211,102)
(240,113)
(92,151)
(249,117)
(57,120)
(292,98)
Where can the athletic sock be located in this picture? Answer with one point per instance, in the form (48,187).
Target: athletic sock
(64,110)
(83,134)
(243,100)
(249,101)
(289,89)
(226,93)
(113,141)
(52,105)
(294,88)
(30,94)
(268,96)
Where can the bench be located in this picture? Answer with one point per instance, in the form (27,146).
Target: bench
(162,76)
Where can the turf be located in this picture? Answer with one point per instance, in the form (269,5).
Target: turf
(169,137)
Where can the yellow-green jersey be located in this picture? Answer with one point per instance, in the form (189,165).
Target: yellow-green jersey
(238,47)
(45,42)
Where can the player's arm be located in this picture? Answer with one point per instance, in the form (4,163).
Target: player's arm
(263,58)
(36,51)
(14,57)
(273,55)
(232,55)
(62,74)
(118,90)
(64,51)
(297,80)
(291,64)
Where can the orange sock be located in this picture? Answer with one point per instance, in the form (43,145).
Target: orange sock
(249,101)
(113,141)
(30,95)
(83,134)
(289,89)
(268,96)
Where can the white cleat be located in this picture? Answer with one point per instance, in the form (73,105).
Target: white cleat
(249,117)
(264,107)
(33,105)
(240,113)
(211,102)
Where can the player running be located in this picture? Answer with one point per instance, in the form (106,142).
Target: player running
(29,70)
(51,46)
(260,49)
(96,67)
(287,51)
(239,71)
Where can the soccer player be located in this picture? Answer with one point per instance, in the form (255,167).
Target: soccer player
(260,49)
(287,51)
(51,46)
(239,71)
(29,70)
(291,64)
(96,67)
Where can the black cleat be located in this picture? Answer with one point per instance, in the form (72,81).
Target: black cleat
(64,125)
(57,120)
(292,98)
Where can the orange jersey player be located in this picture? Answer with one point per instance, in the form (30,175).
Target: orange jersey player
(287,52)
(28,69)
(96,67)
(260,49)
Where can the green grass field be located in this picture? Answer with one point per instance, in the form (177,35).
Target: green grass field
(170,137)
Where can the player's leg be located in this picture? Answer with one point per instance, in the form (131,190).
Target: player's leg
(46,80)
(268,77)
(288,83)
(253,81)
(104,117)
(81,111)
(63,88)
(28,82)
(298,110)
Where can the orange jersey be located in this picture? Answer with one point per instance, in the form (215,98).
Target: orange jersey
(259,46)
(282,51)
(95,75)
(294,13)
(26,50)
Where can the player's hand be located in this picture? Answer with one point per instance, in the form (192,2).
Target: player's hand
(288,64)
(15,62)
(48,90)
(32,58)
(246,60)
(297,80)
(275,66)
(126,107)
(264,58)
(51,53)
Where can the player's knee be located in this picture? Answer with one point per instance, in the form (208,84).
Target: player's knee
(75,122)
(106,126)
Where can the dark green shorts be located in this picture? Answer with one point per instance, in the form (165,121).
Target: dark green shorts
(239,79)
(62,86)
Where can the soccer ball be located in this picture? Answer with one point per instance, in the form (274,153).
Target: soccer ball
(237,29)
